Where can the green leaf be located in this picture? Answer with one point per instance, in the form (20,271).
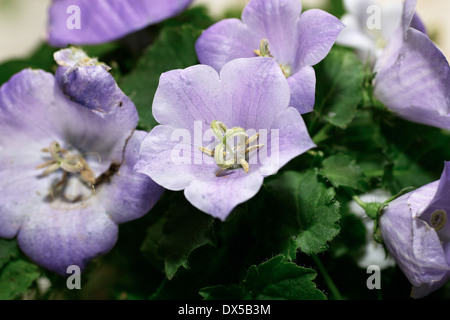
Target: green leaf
(307,208)
(176,235)
(342,171)
(174,49)
(16,277)
(340,78)
(404,172)
(197,16)
(276,279)
(8,250)
(233,292)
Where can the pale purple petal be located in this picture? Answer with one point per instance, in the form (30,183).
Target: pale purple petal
(220,195)
(275,20)
(106,20)
(318,31)
(99,102)
(293,140)
(56,239)
(224,41)
(303,89)
(249,94)
(171,157)
(409,10)
(20,121)
(418,24)
(416,85)
(255,92)
(185,96)
(441,198)
(130,195)
(28,122)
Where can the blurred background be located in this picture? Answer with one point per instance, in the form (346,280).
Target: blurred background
(23,22)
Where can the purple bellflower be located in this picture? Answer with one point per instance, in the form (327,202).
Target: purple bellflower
(92,22)
(412,75)
(416,231)
(221,134)
(67,152)
(275,28)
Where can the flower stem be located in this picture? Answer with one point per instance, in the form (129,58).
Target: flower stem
(331,286)
(360,203)
(371,208)
(322,135)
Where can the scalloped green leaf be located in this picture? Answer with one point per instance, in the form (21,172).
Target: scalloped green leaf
(275,279)
(342,171)
(308,209)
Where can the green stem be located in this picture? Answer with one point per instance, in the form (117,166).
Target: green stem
(371,209)
(360,203)
(331,286)
(322,135)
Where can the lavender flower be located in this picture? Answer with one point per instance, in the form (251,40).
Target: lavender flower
(246,107)
(67,151)
(93,22)
(416,232)
(412,75)
(275,28)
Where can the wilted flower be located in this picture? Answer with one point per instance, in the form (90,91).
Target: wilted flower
(246,107)
(67,151)
(275,28)
(92,22)
(416,232)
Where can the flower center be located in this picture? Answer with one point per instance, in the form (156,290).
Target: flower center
(78,180)
(71,164)
(228,154)
(265,52)
(438,219)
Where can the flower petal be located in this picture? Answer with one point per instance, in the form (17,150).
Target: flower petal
(56,239)
(303,89)
(255,90)
(106,20)
(161,160)
(130,195)
(185,96)
(318,31)
(291,141)
(416,85)
(99,103)
(29,122)
(275,21)
(218,196)
(224,41)
(439,201)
